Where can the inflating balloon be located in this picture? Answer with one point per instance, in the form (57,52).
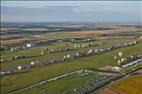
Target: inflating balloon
(120,54)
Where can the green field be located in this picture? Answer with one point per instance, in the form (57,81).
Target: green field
(21,80)
(71,47)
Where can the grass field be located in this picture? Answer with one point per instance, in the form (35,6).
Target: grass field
(45,57)
(18,81)
(34,75)
(70,47)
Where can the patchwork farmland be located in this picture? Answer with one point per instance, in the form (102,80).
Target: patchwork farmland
(71,61)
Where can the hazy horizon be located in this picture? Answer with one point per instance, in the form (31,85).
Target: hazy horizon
(71,12)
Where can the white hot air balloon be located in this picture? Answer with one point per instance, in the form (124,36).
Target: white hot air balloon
(68,56)
(115,57)
(42,53)
(122,59)
(75,46)
(120,54)
(1,60)
(118,62)
(134,42)
(64,56)
(79,46)
(19,67)
(32,63)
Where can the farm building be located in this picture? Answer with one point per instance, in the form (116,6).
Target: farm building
(29,45)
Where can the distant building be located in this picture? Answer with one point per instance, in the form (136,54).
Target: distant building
(29,45)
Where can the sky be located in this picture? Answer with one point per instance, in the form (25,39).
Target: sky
(72,11)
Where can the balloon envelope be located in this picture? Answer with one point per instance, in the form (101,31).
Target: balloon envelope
(32,63)
(120,54)
(19,67)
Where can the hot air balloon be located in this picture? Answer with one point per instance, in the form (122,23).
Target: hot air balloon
(32,63)
(115,57)
(19,67)
(120,54)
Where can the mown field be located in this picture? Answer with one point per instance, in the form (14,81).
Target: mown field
(131,85)
(18,81)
